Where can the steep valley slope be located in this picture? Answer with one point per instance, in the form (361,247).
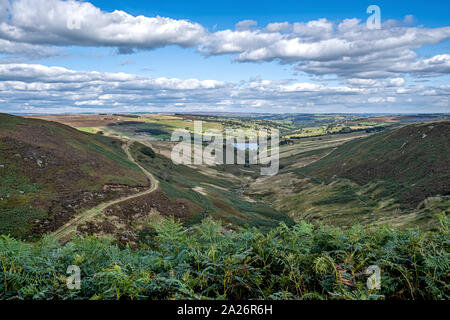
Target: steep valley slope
(54,178)
(50,171)
(400,177)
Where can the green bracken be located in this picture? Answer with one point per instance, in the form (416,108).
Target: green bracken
(209,262)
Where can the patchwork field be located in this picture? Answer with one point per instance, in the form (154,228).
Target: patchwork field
(145,127)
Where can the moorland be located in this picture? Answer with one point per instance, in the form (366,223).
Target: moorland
(100,191)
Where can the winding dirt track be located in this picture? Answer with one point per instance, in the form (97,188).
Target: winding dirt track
(71,226)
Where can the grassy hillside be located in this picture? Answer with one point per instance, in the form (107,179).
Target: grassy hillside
(412,162)
(213,194)
(48,171)
(398,177)
(186,194)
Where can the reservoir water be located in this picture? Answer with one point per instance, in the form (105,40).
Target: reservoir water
(246,145)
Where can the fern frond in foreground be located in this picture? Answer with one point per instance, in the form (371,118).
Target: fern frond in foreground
(208,262)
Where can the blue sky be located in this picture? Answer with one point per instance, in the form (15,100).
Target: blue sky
(227,13)
(288,56)
(171,61)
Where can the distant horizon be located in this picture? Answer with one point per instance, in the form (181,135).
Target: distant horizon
(233,112)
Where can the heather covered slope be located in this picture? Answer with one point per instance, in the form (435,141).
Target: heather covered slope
(52,172)
(412,162)
(398,177)
(48,171)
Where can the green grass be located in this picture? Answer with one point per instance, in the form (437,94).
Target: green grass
(16,196)
(412,166)
(178,174)
(178,181)
(14,183)
(117,155)
(88,130)
(9,123)
(16,221)
(342,195)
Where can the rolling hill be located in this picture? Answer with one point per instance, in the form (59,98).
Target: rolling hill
(398,177)
(412,161)
(52,174)
(49,171)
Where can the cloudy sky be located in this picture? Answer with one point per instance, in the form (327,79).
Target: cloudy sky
(248,56)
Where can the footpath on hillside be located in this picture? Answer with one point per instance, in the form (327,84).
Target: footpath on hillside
(84,216)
